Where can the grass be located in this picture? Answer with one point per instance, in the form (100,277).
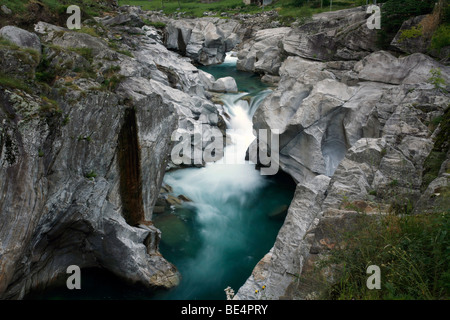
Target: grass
(88,7)
(5,43)
(285,8)
(13,83)
(413,253)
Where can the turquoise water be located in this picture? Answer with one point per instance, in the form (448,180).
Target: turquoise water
(216,240)
(246,81)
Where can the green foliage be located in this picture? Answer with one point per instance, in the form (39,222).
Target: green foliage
(299,3)
(413,253)
(44,73)
(49,105)
(13,83)
(412,33)
(91,175)
(395,12)
(156,24)
(288,10)
(436,79)
(86,53)
(66,120)
(53,11)
(441,38)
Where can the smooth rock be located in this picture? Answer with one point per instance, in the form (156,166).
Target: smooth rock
(21,38)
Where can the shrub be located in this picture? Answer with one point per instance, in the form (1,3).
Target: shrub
(395,12)
(436,79)
(414,32)
(441,38)
(412,252)
(156,24)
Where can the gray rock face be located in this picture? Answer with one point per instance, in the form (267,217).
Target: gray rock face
(383,67)
(80,188)
(262,53)
(21,38)
(18,63)
(204,40)
(65,217)
(370,133)
(277,269)
(129,19)
(333,35)
(6,10)
(316,112)
(81,41)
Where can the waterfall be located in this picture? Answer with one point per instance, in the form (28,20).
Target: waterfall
(228,224)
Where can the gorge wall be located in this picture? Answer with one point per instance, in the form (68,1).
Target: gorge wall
(354,122)
(85,137)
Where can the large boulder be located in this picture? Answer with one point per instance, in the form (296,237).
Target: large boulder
(226,84)
(417,42)
(204,40)
(21,38)
(262,53)
(383,67)
(333,35)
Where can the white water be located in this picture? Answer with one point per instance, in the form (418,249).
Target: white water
(231,176)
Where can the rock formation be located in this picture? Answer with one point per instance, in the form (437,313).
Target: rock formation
(82,161)
(353,126)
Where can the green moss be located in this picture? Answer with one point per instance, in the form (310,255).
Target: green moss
(91,175)
(86,53)
(156,24)
(13,83)
(49,105)
(412,33)
(89,30)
